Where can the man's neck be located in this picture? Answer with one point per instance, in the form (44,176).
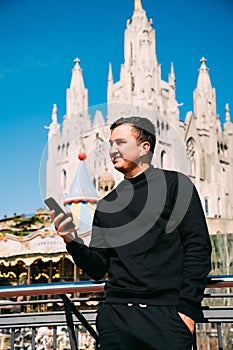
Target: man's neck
(136,171)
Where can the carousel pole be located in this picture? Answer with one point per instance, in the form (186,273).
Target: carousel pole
(29,274)
(28,307)
(75,272)
(50,270)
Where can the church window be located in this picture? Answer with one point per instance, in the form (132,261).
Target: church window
(222,149)
(206,206)
(219,208)
(63,148)
(225,150)
(132,83)
(131,53)
(64,179)
(191,156)
(158,127)
(164,160)
(67,148)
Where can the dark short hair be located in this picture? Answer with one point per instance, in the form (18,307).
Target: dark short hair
(144,128)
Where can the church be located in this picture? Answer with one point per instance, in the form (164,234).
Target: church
(199,146)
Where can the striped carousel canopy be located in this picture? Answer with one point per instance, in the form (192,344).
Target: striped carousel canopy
(82,198)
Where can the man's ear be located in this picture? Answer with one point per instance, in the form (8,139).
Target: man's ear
(145,148)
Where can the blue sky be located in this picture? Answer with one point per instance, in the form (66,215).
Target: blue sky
(39,40)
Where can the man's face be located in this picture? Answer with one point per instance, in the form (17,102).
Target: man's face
(124,148)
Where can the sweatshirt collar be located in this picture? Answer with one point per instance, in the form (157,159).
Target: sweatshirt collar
(141,176)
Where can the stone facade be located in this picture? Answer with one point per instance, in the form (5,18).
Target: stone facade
(198,146)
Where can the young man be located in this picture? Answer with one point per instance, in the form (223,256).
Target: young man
(150,234)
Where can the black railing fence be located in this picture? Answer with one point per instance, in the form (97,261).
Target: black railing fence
(72,325)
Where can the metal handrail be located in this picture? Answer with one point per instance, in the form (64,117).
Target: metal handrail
(61,289)
(51,288)
(87,287)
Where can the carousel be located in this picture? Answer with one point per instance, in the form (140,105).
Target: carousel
(41,256)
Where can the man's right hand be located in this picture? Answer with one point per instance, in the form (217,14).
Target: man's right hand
(60,226)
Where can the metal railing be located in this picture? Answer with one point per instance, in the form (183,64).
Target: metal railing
(73,318)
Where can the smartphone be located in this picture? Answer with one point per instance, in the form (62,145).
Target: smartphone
(53,205)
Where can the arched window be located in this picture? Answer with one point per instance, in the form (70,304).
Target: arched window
(64,179)
(164,160)
(67,148)
(190,145)
(219,207)
(63,150)
(163,155)
(206,206)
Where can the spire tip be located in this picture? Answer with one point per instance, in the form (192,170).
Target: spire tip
(138,5)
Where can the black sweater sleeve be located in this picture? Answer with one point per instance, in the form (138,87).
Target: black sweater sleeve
(94,260)
(196,247)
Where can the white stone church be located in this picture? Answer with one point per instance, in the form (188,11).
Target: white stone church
(198,146)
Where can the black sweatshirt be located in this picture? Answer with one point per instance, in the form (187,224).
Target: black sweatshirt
(151,235)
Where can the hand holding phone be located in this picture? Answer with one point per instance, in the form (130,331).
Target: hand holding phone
(53,205)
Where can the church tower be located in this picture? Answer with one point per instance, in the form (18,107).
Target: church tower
(76,121)
(206,147)
(140,83)
(227,147)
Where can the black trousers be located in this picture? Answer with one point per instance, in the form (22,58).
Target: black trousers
(142,327)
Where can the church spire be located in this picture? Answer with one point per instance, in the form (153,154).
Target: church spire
(54,127)
(227,113)
(171,76)
(137,5)
(77,94)
(54,113)
(77,77)
(110,83)
(228,125)
(110,75)
(204,96)
(204,82)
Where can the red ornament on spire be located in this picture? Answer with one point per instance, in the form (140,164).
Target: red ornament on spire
(82,156)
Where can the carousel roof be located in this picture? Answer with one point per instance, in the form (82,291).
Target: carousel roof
(82,188)
(82,198)
(44,242)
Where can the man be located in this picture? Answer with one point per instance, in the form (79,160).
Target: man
(150,234)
